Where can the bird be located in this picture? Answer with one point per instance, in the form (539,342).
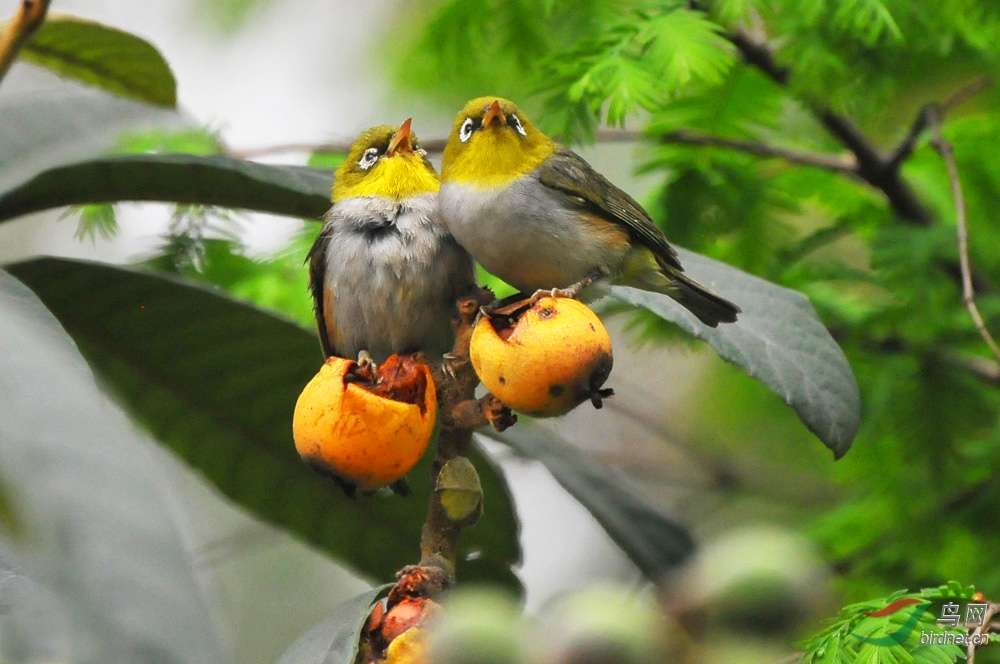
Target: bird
(384,271)
(538,216)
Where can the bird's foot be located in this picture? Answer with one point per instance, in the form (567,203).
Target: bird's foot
(368,363)
(571,291)
(448,363)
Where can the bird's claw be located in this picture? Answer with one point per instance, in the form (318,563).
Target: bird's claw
(448,362)
(367,362)
(571,291)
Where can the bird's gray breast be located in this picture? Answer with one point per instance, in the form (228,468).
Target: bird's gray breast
(527,234)
(392,269)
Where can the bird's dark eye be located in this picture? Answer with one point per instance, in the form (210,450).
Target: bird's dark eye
(465,131)
(419,150)
(368,159)
(515,122)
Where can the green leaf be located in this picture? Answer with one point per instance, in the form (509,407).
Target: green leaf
(177,178)
(686,47)
(730,12)
(853,636)
(217,380)
(97,222)
(109,575)
(335,640)
(869,19)
(651,536)
(275,283)
(631,87)
(778,340)
(106,57)
(49,122)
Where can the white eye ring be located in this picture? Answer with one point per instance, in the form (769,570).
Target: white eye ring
(368,159)
(517,125)
(465,131)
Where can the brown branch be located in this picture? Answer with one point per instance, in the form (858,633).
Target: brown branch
(18,31)
(433,145)
(843,164)
(284,148)
(439,538)
(944,148)
(905,148)
(872,166)
(456,393)
(991,610)
(880,171)
(982,368)
(758,54)
(966,93)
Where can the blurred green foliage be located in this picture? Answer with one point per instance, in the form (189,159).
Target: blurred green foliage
(916,492)
(902,635)
(818,175)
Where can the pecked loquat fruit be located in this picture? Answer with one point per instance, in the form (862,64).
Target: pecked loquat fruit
(545,358)
(366,432)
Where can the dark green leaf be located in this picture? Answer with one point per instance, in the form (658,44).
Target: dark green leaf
(179,178)
(778,340)
(50,122)
(275,284)
(110,576)
(106,57)
(217,380)
(335,640)
(652,537)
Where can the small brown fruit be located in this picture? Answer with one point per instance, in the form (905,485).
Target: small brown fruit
(366,432)
(410,612)
(543,359)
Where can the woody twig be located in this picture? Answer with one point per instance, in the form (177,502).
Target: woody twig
(934,115)
(18,31)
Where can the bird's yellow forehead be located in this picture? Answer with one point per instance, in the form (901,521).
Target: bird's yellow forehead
(495,154)
(400,176)
(478,106)
(376,137)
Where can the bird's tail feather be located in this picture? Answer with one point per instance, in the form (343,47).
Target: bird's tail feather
(710,308)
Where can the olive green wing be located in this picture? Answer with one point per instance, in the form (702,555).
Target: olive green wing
(566,171)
